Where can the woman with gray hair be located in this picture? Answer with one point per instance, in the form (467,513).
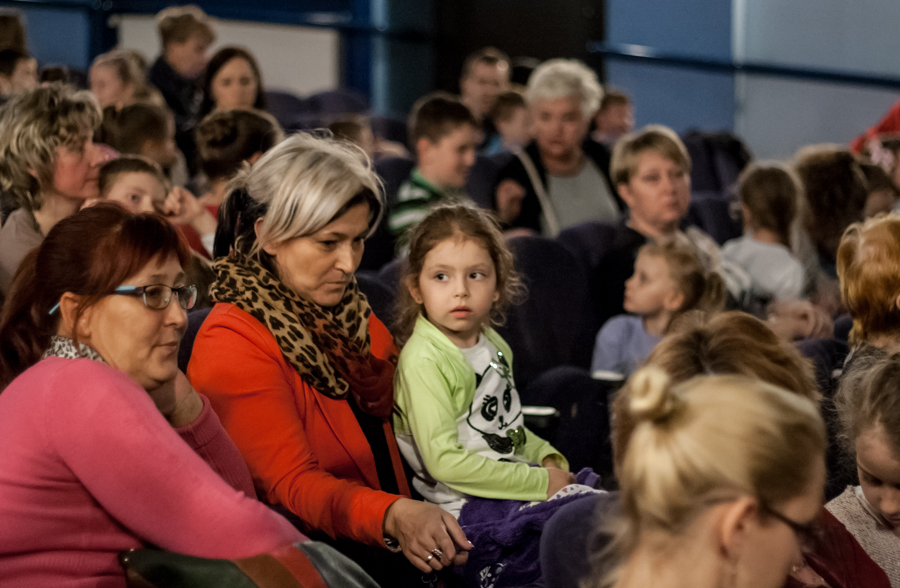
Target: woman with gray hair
(562,177)
(49,165)
(301,372)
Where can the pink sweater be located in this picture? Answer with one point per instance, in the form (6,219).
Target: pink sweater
(89,467)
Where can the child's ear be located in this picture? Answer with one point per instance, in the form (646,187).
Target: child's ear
(674,301)
(423,148)
(412,285)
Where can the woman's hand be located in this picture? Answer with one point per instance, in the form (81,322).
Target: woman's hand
(177,401)
(423,528)
(559,479)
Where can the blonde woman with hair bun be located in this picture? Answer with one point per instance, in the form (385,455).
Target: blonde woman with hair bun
(721,483)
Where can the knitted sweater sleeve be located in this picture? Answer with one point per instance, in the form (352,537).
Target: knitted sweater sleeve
(109,434)
(423,393)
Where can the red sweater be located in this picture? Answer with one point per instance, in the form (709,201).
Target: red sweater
(90,467)
(306,451)
(890,123)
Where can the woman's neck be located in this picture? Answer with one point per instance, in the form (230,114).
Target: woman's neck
(657,323)
(671,568)
(568,164)
(764,236)
(55,208)
(652,231)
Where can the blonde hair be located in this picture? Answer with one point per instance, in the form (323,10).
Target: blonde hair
(868,267)
(628,150)
(32,126)
(734,343)
(702,289)
(564,78)
(708,440)
(176,24)
(462,222)
(297,188)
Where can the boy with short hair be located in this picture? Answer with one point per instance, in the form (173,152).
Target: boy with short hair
(614,118)
(18,73)
(186,33)
(510,116)
(444,135)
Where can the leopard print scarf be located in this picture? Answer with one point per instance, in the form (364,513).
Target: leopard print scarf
(329,347)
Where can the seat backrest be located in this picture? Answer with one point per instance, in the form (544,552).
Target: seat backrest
(481,180)
(393,171)
(588,242)
(715,216)
(337,102)
(381,298)
(555,325)
(284,106)
(389,128)
(195,321)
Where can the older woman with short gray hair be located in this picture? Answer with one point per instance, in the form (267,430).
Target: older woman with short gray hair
(562,177)
(299,369)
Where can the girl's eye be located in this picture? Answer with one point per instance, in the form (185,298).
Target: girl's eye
(440,277)
(135,198)
(476,275)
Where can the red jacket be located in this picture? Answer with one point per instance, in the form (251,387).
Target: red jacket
(305,451)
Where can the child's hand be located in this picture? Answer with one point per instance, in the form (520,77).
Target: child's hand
(559,479)
(181,207)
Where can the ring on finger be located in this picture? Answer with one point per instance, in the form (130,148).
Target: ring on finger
(429,558)
(437,553)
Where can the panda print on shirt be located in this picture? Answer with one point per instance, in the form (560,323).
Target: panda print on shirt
(495,423)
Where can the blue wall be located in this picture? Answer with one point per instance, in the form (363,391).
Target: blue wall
(676,97)
(57,35)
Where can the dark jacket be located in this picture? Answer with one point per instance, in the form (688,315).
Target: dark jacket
(530,217)
(183,97)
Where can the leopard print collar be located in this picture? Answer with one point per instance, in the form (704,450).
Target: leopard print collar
(328,347)
(69,349)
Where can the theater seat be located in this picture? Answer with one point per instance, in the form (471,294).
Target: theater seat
(393,171)
(381,298)
(715,216)
(195,321)
(336,103)
(284,106)
(556,324)
(588,242)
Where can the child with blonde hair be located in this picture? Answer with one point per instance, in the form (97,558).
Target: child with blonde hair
(458,418)
(669,279)
(770,197)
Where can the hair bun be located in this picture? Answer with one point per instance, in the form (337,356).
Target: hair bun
(219,130)
(650,394)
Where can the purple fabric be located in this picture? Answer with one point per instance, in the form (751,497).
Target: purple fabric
(507,537)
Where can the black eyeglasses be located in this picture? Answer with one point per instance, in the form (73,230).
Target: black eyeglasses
(158,296)
(808,534)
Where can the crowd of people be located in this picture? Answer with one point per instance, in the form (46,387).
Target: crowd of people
(396,450)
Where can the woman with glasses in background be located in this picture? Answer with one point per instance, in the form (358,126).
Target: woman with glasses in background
(106,445)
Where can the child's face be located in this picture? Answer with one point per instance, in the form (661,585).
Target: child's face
(457,287)
(879,474)
(108,87)
(138,192)
(188,59)
(651,290)
(447,162)
(162,152)
(516,130)
(616,120)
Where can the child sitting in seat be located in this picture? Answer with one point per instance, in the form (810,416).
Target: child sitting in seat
(510,116)
(458,418)
(769,194)
(444,134)
(669,279)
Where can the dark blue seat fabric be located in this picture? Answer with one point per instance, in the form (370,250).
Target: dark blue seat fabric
(335,103)
(393,171)
(391,129)
(195,321)
(583,433)
(284,106)
(556,324)
(390,274)
(570,537)
(482,179)
(381,298)
(717,160)
(715,216)
(588,242)
(842,326)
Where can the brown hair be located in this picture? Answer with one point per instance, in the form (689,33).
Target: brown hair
(614,98)
(877,179)
(868,267)
(228,138)
(12,31)
(465,222)
(728,343)
(835,195)
(867,398)
(176,24)
(128,164)
(629,148)
(702,289)
(436,115)
(487,56)
(770,191)
(89,253)
(506,105)
(128,129)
